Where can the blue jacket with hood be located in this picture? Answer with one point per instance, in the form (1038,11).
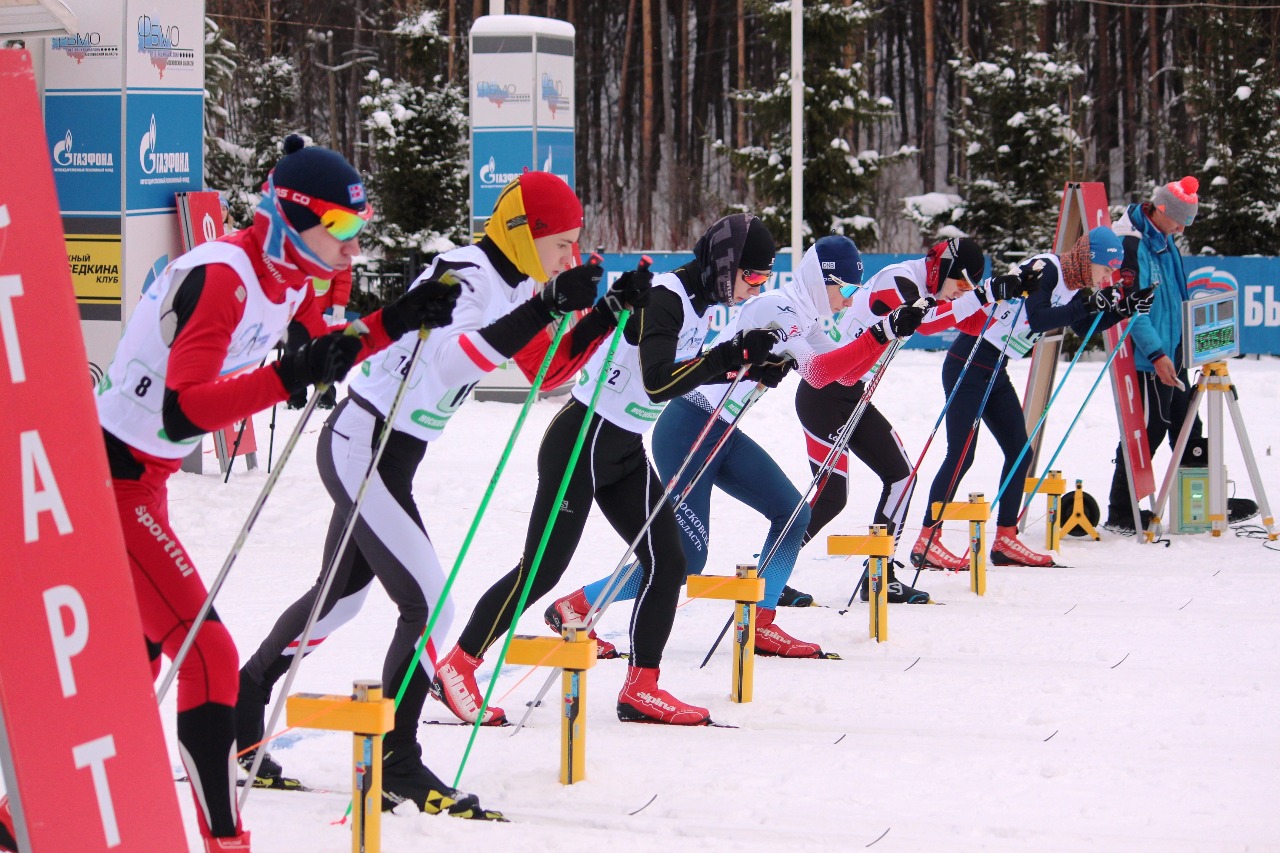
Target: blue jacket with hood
(1155,260)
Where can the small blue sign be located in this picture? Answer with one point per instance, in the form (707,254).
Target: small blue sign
(555,153)
(498,157)
(84,149)
(163,148)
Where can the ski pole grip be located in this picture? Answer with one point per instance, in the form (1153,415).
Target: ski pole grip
(645,263)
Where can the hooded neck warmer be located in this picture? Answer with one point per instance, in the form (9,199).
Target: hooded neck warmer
(932,263)
(508,228)
(719,253)
(282,243)
(808,289)
(1075,265)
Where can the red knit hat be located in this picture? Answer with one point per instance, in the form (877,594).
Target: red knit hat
(550,205)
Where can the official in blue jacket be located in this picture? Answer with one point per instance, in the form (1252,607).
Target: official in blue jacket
(1151,258)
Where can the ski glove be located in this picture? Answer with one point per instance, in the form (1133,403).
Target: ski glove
(426,305)
(1004,287)
(750,346)
(325,359)
(573,290)
(630,290)
(902,321)
(1138,302)
(1101,300)
(771,373)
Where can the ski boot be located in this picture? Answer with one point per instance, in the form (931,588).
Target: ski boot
(929,553)
(794,598)
(231,844)
(897,591)
(455,686)
(643,701)
(772,641)
(572,610)
(406,779)
(1008,550)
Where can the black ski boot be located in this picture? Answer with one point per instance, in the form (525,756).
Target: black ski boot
(898,592)
(406,779)
(794,598)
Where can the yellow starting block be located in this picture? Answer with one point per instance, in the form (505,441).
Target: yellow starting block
(1053,488)
(976,511)
(369,716)
(574,653)
(878,547)
(1079,518)
(744,589)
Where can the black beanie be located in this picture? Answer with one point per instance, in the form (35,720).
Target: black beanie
(317,172)
(759,248)
(965,256)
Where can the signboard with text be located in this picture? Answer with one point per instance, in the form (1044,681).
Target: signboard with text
(83,752)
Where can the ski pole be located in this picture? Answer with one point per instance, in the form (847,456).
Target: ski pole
(1040,423)
(1107,364)
(546,536)
(820,477)
(356,328)
(622,572)
(950,493)
(529,400)
(353,517)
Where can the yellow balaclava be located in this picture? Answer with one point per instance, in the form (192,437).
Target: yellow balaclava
(537,204)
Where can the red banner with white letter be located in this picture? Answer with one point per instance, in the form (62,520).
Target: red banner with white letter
(85,765)
(1133,419)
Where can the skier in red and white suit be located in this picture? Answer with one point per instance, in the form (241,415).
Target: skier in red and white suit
(187,365)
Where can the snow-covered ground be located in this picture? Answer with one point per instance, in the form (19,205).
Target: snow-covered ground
(1128,702)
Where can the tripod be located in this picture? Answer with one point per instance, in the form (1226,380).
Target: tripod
(1215,380)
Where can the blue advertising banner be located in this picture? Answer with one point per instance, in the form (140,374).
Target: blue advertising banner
(497,158)
(83,132)
(1257,296)
(163,149)
(555,153)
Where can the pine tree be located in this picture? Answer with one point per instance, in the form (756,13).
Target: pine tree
(224,160)
(418,147)
(839,184)
(1238,105)
(1020,145)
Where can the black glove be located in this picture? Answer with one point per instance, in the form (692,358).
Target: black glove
(1101,300)
(1138,302)
(298,399)
(1004,287)
(902,321)
(631,290)
(427,304)
(771,373)
(750,346)
(325,359)
(573,289)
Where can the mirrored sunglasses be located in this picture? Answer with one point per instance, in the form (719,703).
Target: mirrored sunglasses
(342,222)
(755,278)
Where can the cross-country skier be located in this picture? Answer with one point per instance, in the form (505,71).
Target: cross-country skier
(660,359)
(1047,292)
(950,270)
(187,365)
(801,310)
(529,239)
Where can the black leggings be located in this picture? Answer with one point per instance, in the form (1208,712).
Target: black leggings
(823,411)
(1002,415)
(614,471)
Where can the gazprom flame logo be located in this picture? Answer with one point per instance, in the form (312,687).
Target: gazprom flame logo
(62,151)
(65,156)
(489,174)
(155,162)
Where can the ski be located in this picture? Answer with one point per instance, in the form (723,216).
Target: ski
(501,725)
(282,783)
(819,656)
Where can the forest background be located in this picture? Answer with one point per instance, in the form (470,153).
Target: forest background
(922,117)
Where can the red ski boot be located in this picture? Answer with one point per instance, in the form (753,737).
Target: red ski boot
(1007,550)
(455,686)
(572,610)
(233,844)
(643,701)
(775,642)
(931,555)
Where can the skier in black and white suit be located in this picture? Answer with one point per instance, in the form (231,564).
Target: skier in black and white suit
(530,238)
